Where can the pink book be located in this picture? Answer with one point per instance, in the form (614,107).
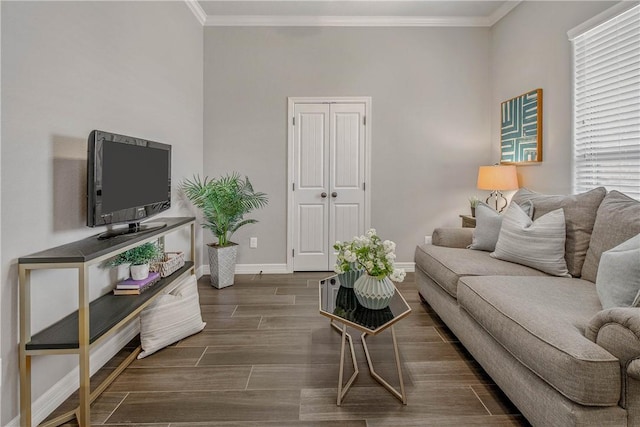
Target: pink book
(138,284)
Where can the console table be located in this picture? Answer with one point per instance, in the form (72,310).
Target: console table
(94,321)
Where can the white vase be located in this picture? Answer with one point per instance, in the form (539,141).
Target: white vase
(348,278)
(139,272)
(123,272)
(374,293)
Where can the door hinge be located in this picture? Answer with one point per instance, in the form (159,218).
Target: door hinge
(293,120)
(364,120)
(293,252)
(293,186)
(364,186)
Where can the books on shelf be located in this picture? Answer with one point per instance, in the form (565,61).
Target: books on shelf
(136,287)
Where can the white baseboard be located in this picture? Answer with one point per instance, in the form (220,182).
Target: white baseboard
(408,267)
(254,269)
(52,398)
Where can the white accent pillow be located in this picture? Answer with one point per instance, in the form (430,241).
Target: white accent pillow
(618,280)
(170,318)
(488,224)
(537,244)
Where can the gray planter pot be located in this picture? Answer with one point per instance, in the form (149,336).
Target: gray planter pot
(222,264)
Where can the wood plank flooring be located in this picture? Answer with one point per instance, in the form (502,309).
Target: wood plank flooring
(268,358)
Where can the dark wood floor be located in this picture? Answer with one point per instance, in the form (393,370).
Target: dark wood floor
(267,358)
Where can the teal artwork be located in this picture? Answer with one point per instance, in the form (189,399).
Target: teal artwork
(521,129)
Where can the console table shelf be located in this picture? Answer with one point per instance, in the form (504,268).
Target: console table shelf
(106,313)
(94,320)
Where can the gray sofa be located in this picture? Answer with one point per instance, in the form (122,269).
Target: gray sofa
(545,340)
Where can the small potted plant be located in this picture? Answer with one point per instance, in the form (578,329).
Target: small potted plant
(473,202)
(138,258)
(224,203)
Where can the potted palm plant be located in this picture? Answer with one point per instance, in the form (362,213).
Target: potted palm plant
(224,203)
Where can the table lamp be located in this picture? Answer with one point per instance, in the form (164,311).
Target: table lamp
(497,178)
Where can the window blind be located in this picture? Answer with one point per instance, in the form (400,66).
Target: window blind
(607,105)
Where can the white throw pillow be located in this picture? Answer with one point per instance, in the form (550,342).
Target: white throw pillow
(618,280)
(170,318)
(488,224)
(537,244)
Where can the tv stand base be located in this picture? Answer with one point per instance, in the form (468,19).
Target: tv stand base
(135,227)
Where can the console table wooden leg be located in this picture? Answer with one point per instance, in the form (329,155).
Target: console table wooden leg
(84,350)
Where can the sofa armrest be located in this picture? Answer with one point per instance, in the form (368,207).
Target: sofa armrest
(452,237)
(617,330)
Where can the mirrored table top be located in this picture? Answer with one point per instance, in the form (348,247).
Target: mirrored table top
(340,303)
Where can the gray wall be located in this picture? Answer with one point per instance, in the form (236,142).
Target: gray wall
(67,68)
(431,126)
(529,50)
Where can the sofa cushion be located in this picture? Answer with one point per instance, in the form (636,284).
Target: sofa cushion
(446,265)
(617,221)
(488,225)
(538,244)
(538,321)
(618,280)
(580,215)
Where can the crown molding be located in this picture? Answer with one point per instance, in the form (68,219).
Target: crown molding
(502,11)
(347,21)
(197,10)
(343,21)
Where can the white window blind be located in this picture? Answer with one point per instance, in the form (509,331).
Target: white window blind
(607,105)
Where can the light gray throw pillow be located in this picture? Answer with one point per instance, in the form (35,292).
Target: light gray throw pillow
(618,280)
(171,317)
(488,224)
(537,244)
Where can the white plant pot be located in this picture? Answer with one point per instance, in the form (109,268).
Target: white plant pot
(374,293)
(139,272)
(348,279)
(222,264)
(123,272)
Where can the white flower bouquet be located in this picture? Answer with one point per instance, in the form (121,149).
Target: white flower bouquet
(368,253)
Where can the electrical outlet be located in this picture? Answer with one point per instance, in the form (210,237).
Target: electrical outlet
(428,240)
(253,242)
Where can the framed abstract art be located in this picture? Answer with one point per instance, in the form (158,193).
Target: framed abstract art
(521,129)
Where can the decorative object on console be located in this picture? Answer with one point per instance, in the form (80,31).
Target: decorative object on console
(521,129)
(169,263)
(618,280)
(473,203)
(136,287)
(537,244)
(488,225)
(170,318)
(497,178)
(374,288)
(224,203)
(138,258)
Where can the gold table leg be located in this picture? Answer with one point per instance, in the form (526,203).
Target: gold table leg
(400,395)
(343,389)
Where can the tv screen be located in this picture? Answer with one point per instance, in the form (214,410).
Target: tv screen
(128,179)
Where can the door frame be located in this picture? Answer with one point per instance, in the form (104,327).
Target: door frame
(291,102)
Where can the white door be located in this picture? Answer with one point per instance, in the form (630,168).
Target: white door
(328,189)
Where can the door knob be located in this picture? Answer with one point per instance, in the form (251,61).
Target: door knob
(334,194)
(323,195)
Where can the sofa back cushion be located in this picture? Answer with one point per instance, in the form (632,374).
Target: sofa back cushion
(618,281)
(618,220)
(580,215)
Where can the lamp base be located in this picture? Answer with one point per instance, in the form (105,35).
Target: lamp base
(499,200)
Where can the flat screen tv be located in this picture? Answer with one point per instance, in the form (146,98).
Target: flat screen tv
(128,180)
